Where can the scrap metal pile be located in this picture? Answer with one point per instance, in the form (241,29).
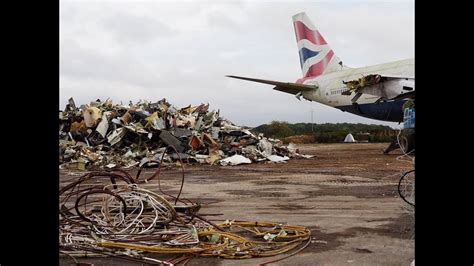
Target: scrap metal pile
(105,135)
(109,213)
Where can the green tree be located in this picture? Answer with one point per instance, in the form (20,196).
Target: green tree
(325,133)
(279,129)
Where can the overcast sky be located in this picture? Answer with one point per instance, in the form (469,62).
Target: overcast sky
(182,50)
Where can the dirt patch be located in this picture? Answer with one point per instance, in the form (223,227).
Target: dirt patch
(265,193)
(291,206)
(362,250)
(321,242)
(271,182)
(206,201)
(213,178)
(366,192)
(368,214)
(401,228)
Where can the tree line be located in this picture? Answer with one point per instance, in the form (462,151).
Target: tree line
(327,132)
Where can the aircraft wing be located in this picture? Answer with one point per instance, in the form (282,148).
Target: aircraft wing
(385,86)
(288,87)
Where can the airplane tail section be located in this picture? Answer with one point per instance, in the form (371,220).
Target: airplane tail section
(316,57)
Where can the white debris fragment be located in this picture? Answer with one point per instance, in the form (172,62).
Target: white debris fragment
(291,148)
(306,156)
(103,125)
(235,160)
(116,135)
(278,159)
(265,146)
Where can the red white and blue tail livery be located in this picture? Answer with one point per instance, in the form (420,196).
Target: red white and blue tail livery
(316,57)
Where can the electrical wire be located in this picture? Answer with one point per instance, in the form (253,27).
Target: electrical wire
(121,219)
(400,188)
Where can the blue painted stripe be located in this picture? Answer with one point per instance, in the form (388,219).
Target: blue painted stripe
(385,111)
(306,53)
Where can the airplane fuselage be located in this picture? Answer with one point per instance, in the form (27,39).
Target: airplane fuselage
(377,92)
(330,86)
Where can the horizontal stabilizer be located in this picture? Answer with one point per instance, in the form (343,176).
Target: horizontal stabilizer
(288,87)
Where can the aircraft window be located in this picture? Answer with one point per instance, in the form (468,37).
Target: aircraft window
(407,88)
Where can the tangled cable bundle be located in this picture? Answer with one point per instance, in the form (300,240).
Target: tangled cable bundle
(121,219)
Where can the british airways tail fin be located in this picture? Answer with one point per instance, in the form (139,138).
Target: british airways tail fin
(316,57)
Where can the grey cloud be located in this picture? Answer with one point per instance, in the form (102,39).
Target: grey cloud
(135,29)
(221,20)
(84,63)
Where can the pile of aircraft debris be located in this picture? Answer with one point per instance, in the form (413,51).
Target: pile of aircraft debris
(101,134)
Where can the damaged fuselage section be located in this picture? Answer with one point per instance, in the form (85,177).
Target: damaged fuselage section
(385,87)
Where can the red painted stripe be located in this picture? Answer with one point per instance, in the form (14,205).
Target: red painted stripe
(302,80)
(303,32)
(318,68)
